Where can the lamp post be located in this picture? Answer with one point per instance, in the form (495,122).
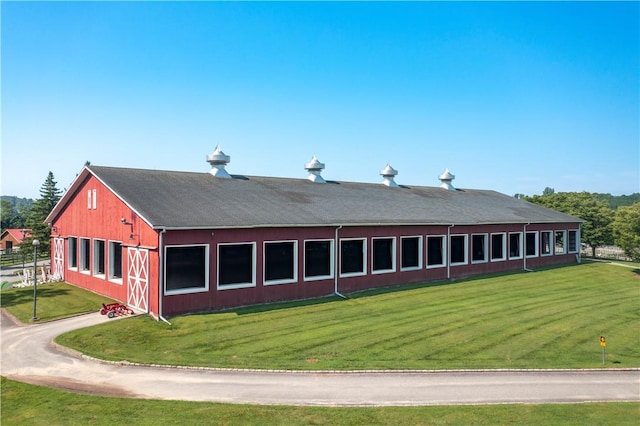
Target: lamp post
(36,243)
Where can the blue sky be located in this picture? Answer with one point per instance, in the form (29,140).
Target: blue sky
(509,96)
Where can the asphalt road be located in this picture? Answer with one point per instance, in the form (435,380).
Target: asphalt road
(28,355)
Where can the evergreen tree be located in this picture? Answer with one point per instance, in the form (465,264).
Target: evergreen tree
(49,197)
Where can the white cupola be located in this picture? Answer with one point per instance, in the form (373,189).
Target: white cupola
(314,167)
(218,161)
(446,177)
(388,173)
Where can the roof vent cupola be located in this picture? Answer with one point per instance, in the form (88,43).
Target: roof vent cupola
(218,161)
(314,167)
(446,177)
(388,173)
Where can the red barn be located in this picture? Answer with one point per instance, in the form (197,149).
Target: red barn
(169,243)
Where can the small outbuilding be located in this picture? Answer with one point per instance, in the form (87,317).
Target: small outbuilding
(170,242)
(11,238)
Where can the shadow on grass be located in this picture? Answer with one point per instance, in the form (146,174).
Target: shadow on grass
(16,297)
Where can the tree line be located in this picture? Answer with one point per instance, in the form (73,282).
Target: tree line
(604,224)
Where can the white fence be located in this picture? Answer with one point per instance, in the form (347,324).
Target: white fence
(604,252)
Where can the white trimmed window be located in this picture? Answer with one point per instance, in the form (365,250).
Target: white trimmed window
(383,255)
(85,255)
(515,245)
(561,242)
(236,265)
(99,258)
(436,251)
(186,269)
(531,244)
(479,245)
(458,249)
(280,262)
(410,253)
(318,259)
(115,261)
(353,257)
(72,252)
(546,246)
(498,247)
(573,242)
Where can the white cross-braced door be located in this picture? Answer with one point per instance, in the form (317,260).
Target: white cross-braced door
(58,259)
(138,279)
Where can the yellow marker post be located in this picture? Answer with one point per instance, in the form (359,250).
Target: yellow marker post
(603,344)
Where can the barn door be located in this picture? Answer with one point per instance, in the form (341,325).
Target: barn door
(138,279)
(57,269)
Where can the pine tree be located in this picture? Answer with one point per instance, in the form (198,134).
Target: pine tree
(49,197)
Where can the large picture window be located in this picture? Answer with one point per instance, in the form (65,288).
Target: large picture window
(479,248)
(410,253)
(318,259)
(115,261)
(72,243)
(436,251)
(458,246)
(85,255)
(498,247)
(186,269)
(384,255)
(515,245)
(531,244)
(352,257)
(236,265)
(99,258)
(280,262)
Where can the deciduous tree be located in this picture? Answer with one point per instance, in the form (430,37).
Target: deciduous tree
(626,230)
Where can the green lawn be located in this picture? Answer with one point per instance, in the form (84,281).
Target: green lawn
(545,319)
(24,404)
(53,301)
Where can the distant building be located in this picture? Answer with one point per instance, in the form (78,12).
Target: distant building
(11,238)
(169,243)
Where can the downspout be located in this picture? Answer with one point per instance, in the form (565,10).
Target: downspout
(335,264)
(524,246)
(447,251)
(161,276)
(579,244)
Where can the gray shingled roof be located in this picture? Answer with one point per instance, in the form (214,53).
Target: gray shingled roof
(169,199)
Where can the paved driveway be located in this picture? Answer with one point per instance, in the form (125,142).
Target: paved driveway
(28,355)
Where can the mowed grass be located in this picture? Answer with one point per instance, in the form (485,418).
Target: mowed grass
(53,301)
(56,407)
(545,319)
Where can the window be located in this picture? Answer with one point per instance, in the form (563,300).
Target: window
(280,262)
(515,245)
(99,257)
(498,247)
(318,259)
(236,265)
(73,252)
(352,257)
(573,241)
(115,261)
(458,249)
(89,198)
(435,251)
(411,253)
(531,244)
(560,242)
(479,248)
(85,254)
(384,255)
(546,243)
(186,269)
